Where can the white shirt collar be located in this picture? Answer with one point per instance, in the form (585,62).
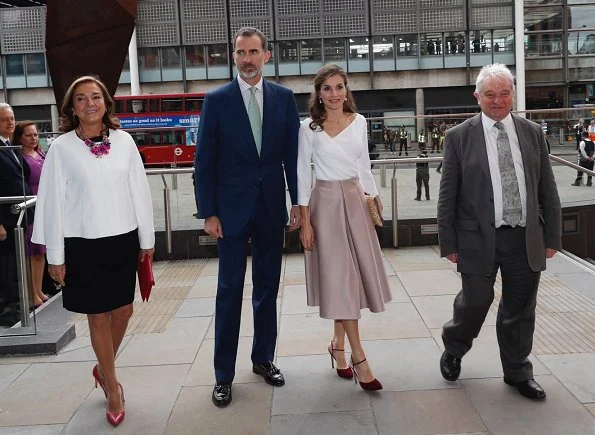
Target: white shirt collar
(488,122)
(3,139)
(244,86)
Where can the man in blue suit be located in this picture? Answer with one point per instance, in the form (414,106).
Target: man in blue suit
(12,176)
(247,149)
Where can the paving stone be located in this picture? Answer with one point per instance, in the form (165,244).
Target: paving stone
(505,412)
(312,386)
(53,391)
(400,320)
(575,371)
(150,392)
(397,290)
(437,310)
(177,345)
(304,334)
(483,360)
(426,412)
(407,364)
(295,300)
(415,258)
(46,429)
(202,371)
(248,414)
(10,372)
(591,408)
(344,423)
(430,282)
(198,307)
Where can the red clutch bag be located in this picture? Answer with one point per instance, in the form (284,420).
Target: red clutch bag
(145,278)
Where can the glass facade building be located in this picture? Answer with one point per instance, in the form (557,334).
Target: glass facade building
(403,56)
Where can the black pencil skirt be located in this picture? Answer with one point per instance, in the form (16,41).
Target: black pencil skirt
(100,273)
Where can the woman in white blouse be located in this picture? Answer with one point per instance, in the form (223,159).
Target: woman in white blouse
(344,267)
(95,216)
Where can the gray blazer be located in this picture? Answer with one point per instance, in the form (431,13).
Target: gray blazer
(466,203)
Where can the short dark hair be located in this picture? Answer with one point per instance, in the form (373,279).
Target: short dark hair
(251,31)
(585,133)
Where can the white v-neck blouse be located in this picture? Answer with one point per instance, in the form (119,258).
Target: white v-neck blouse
(335,158)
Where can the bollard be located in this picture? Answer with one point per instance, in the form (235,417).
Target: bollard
(395,213)
(383,175)
(174,178)
(19,238)
(167,215)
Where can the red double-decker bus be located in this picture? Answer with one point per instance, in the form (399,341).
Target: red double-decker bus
(164,127)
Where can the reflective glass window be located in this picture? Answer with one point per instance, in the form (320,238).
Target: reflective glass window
(218,54)
(288,51)
(35,63)
(581,42)
(140,137)
(136,106)
(195,55)
(311,50)
(503,41)
(384,47)
(580,17)
(170,57)
(543,18)
(407,45)
(171,105)
(544,44)
(431,44)
(173,137)
(334,50)
(148,58)
(193,104)
(455,43)
(358,47)
(14,65)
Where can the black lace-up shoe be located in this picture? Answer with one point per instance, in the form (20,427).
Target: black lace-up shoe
(450,366)
(271,374)
(222,394)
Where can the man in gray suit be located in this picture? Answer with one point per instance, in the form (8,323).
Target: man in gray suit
(498,209)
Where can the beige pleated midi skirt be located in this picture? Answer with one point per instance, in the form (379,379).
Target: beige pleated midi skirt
(344,271)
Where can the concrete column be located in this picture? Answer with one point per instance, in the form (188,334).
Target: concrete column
(519,54)
(133,61)
(420,109)
(55,117)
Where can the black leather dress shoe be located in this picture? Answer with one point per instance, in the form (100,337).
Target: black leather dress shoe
(222,395)
(528,388)
(450,366)
(271,374)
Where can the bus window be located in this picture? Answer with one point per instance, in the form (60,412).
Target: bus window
(136,106)
(153,105)
(140,137)
(173,137)
(193,104)
(171,105)
(120,104)
(156,138)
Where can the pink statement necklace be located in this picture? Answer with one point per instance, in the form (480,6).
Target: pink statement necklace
(98,149)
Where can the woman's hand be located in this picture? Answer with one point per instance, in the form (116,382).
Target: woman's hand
(379,204)
(307,236)
(57,272)
(146,254)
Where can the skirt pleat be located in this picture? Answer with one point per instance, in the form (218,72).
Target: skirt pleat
(345,270)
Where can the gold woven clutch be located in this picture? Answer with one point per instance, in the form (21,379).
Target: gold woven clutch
(373,209)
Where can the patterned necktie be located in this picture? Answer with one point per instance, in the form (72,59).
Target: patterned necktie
(254,117)
(511,197)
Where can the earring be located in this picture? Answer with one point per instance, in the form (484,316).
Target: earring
(320,100)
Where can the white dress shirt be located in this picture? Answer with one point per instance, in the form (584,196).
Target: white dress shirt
(340,158)
(81,195)
(491,137)
(245,90)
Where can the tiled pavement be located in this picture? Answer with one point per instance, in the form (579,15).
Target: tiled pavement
(165,365)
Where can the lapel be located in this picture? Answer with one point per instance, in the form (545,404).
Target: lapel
(268,115)
(479,145)
(238,111)
(524,139)
(11,155)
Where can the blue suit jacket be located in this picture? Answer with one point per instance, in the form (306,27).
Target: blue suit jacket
(229,171)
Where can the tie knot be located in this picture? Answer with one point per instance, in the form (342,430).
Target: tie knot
(253,90)
(7,142)
(499,126)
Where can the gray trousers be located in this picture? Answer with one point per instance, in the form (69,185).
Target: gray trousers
(515,321)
